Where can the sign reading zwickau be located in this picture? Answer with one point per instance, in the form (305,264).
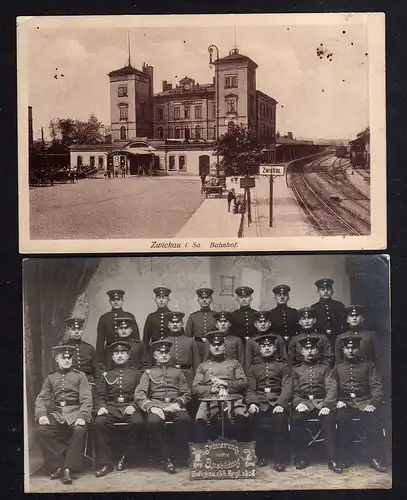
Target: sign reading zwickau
(272,169)
(222,459)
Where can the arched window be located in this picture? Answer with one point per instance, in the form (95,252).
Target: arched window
(170,134)
(197,132)
(231,126)
(187,132)
(160,133)
(123,132)
(182,163)
(176,132)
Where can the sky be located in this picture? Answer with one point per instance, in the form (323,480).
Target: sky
(317,98)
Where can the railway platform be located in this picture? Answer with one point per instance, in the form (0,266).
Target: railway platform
(288,217)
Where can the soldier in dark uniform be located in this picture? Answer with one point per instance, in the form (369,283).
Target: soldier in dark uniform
(203,321)
(84,356)
(284,319)
(315,396)
(268,396)
(115,403)
(184,350)
(63,410)
(263,326)
(329,312)
(360,394)
(369,347)
(163,394)
(307,320)
(156,325)
(233,345)
(219,376)
(137,355)
(107,329)
(242,319)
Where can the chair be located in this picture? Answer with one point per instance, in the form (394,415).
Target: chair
(314,429)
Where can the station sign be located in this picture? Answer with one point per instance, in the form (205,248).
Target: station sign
(271,169)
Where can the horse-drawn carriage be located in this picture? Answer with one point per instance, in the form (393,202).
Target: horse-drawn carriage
(215,183)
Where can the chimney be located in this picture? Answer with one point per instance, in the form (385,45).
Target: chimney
(30,128)
(150,73)
(164,85)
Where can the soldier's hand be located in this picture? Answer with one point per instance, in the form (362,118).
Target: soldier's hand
(43,420)
(80,421)
(129,410)
(253,408)
(301,407)
(370,408)
(324,411)
(340,404)
(214,389)
(102,411)
(158,411)
(278,409)
(174,408)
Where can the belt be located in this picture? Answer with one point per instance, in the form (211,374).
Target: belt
(120,399)
(354,394)
(165,400)
(313,396)
(67,402)
(183,367)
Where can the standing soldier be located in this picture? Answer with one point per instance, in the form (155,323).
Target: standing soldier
(107,329)
(233,345)
(115,403)
(137,355)
(329,312)
(162,394)
(184,350)
(214,377)
(369,348)
(156,325)
(84,355)
(315,395)
(203,321)
(262,325)
(242,319)
(360,395)
(268,396)
(284,319)
(62,410)
(307,319)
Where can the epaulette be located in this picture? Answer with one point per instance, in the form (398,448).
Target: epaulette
(75,370)
(132,367)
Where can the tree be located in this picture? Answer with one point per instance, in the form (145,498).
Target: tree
(240,149)
(67,131)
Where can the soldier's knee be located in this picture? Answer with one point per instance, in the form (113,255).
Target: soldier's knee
(80,429)
(100,421)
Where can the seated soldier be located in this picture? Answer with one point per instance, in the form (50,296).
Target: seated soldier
(62,410)
(115,404)
(360,394)
(369,348)
(307,320)
(219,376)
(233,345)
(262,325)
(268,396)
(163,393)
(84,356)
(137,354)
(315,394)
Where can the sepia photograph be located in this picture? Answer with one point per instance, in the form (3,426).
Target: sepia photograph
(202,133)
(207,373)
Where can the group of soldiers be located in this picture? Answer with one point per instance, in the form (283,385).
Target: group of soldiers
(254,372)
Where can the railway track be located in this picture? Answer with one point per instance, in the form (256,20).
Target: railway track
(333,205)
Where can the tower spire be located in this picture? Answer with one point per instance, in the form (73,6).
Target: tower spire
(128,45)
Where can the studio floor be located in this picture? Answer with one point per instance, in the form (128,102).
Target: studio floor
(151,479)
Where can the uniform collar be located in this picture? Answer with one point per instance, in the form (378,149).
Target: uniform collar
(72,341)
(116,310)
(63,370)
(160,309)
(206,309)
(282,306)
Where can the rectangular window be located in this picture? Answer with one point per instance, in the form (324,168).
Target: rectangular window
(177,113)
(181,163)
(100,161)
(160,114)
(122,91)
(187,112)
(79,161)
(171,163)
(198,111)
(92,161)
(123,113)
(231,106)
(230,81)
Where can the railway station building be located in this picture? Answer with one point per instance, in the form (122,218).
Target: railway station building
(174,130)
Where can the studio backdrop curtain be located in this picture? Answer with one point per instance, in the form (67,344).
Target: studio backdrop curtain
(51,287)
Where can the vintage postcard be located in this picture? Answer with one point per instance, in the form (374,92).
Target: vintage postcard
(207,373)
(202,133)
